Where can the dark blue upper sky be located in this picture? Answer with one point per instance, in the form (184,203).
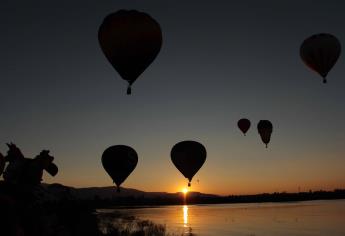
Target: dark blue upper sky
(220,61)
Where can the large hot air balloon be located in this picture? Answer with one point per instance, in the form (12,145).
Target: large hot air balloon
(119,161)
(320,52)
(188,157)
(265,129)
(130,40)
(243,125)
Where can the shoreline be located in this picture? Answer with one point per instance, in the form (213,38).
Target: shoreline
(124,207)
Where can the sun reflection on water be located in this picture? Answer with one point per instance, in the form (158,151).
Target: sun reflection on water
(185,216)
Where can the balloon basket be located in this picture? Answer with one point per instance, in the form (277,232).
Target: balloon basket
(129,90)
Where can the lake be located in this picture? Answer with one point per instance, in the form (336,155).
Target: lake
(308,218)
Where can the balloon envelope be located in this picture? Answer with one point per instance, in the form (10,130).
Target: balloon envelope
(320,52)
(119,161)
(188,157)
(243,125)
(265,129)
(130,40)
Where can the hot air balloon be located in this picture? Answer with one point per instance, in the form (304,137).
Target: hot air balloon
(320,52)
(188,157)
(130,40)
(243,125)
(265,129)
(119,161)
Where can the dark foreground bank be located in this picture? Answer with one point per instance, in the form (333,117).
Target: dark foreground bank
(48,211)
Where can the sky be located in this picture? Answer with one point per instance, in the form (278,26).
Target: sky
(220,61)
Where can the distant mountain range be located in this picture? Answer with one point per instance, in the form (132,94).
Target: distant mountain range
(110,192)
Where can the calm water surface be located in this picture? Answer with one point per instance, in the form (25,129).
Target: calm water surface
(255,219)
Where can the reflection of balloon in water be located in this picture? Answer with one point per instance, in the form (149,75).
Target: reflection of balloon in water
(119,161)
(243,125)
(320,52)
(188,157)
(265,129)
(130,40)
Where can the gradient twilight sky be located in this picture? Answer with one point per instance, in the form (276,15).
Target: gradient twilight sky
(220,61)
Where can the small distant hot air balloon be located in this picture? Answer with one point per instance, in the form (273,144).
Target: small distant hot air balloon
(188,157)
(119,161)
(130,40)
(265,129)
(243,125)
(320,52)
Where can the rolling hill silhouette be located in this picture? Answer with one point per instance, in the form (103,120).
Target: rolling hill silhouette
(109,192)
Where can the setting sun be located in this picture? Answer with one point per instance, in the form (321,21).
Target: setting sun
(185,190)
